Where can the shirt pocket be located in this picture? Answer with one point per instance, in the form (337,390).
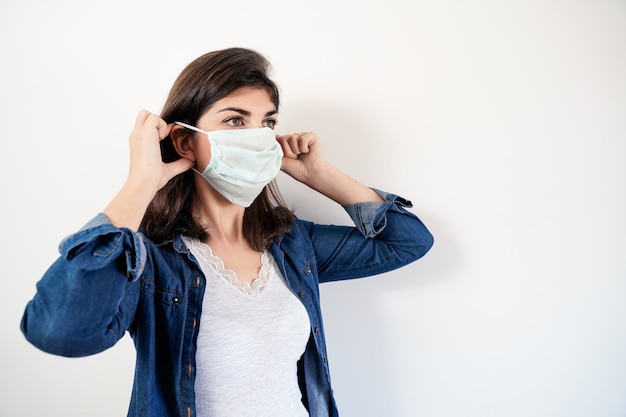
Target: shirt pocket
(163,296)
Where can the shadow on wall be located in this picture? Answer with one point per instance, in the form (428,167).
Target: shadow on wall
(362,147)
(357,318)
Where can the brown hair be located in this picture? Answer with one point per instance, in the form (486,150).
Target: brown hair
(204,81)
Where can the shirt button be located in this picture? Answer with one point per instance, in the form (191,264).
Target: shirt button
(316,330)
(302,294)
(198,281)
(188,411)
(324,359)
(189,369)
(194,324)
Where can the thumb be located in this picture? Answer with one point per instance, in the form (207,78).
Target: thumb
(292,167)
(178,167)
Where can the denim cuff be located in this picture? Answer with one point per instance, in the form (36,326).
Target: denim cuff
(100,226)
(371,217)
(99,220)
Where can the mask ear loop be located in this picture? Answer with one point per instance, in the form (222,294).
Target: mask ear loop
(197,130)
(191,127)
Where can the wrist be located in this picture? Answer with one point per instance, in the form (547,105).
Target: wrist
(340,187)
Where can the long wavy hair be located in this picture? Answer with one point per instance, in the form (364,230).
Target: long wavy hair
(204,81)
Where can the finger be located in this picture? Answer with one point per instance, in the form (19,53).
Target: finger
(284,144)
(295,142)
(164,129)
(147,119)
(153,120)
(141,117)
(303,143)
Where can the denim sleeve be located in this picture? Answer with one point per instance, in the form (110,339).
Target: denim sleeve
(86,300)
(370,217)
(135,259)
(386,236)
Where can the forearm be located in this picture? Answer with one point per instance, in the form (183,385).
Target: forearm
(340,187)
(128,207)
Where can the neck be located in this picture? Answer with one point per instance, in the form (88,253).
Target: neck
(222,219)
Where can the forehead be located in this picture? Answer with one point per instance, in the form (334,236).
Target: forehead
(249,99)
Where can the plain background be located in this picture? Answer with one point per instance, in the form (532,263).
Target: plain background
(503,121)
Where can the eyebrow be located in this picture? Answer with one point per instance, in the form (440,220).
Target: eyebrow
(246,112)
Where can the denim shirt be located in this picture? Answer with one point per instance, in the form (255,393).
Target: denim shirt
(110,280)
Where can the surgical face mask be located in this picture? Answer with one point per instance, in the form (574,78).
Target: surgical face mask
(243,161)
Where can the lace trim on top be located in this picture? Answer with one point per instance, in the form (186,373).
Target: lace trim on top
(229,275)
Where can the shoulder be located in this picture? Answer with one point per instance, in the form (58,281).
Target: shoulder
(169,255)
(297,239)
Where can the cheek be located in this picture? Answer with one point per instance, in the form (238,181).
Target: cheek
(203,158)
(202,153)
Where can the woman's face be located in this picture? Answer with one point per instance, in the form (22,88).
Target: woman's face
(243,109)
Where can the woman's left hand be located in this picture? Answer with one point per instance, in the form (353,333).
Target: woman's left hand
(303,159)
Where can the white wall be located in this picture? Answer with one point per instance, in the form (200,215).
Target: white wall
(503,121)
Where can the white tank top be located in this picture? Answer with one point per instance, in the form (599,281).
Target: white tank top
(249,342)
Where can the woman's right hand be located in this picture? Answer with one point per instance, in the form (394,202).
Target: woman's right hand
(147,173)
(147,168)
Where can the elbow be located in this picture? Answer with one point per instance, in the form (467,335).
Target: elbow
(416,241)
(423,243)
(409,236)
(62,339)
(428,240)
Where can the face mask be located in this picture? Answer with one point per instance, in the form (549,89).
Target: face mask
(243,161)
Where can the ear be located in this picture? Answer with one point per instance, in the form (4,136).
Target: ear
(182,139)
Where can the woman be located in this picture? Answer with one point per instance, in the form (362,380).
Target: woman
(198,258)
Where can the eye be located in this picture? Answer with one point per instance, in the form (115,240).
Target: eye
(271,123)
(234,121)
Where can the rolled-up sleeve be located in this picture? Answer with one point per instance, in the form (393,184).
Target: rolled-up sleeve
(385,236)
(86,300)
(370,217)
